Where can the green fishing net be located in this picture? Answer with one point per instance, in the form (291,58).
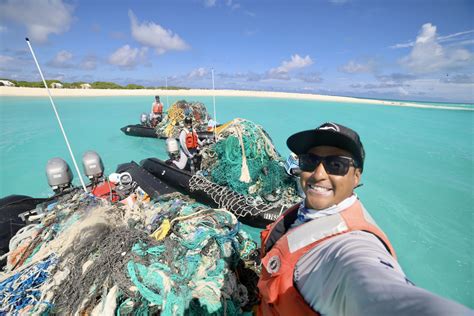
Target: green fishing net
(245,160)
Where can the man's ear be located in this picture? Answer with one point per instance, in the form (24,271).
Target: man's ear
(357,175)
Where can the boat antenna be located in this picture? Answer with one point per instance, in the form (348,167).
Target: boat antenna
(214,103)
(167,105)
(57,115)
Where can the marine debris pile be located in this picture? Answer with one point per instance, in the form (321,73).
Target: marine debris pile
(245,160)
(169,257)
(172,123)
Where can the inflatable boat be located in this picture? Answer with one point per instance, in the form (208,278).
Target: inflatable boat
(139,130)
(15,209)
(248,210)
(11,207)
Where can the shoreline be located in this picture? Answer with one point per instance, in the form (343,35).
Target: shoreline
(41,92)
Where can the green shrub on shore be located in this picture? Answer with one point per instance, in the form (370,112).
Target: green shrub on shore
(172,88)
(134,86)
(34,84)
(94,85)
(105,85)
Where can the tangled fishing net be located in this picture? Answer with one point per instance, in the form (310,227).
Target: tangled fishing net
(169,257)
(245,160)
(172,123)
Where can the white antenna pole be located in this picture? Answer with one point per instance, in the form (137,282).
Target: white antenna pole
(57,115)
(166,92)
(214,102)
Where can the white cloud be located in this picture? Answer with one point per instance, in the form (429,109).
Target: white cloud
(455,35)
(429,56)
(447,91)
(40,17)
(250,13)
(232,5)
(62,60)
(275,75)
(296,62)
(429,89)
(89,63)
(128,57)
(229,3)
(209,3)
(313,77)
(460,38)
(198,73)
(6,60)
(353,67)
(153,35)
(459,79)
(58,76)
(403,91)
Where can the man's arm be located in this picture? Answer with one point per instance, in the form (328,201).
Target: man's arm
(353,274)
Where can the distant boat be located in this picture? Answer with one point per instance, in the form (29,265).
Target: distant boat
(140,130)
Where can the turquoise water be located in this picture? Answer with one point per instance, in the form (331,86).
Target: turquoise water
(418,180)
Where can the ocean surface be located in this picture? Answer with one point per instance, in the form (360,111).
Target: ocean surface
(418,177)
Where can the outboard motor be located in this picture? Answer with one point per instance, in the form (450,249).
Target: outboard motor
(172,147)
(59,175)
(93,166)
(144,119)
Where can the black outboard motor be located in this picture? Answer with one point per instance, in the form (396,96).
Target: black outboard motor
(59,175)
(93,166)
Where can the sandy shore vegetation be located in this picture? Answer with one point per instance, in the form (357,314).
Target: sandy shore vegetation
(41,92)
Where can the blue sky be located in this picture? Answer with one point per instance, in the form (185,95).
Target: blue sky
(414,50)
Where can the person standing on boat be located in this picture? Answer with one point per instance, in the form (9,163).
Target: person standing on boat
(326,255)
(190,143)
(156,114)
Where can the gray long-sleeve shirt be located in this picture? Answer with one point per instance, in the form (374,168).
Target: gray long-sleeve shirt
(353,274)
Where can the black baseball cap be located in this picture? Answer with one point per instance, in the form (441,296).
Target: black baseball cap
(329,134)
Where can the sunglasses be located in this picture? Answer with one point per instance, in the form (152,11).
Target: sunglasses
(335,165)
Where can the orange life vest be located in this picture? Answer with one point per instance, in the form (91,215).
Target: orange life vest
(158,108)
(191,139)
(281,250)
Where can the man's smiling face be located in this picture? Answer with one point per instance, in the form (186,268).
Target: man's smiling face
(324,190)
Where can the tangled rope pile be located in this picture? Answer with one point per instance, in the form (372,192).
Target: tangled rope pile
(245,160)
(170,257)
(172,123)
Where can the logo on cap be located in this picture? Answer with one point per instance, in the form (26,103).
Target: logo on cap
(329,126)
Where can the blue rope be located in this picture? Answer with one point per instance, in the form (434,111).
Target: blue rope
(22,289)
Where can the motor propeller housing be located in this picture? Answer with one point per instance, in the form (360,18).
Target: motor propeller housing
(92,165)
(59,174)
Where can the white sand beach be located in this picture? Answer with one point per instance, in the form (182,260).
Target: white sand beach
(40,92)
